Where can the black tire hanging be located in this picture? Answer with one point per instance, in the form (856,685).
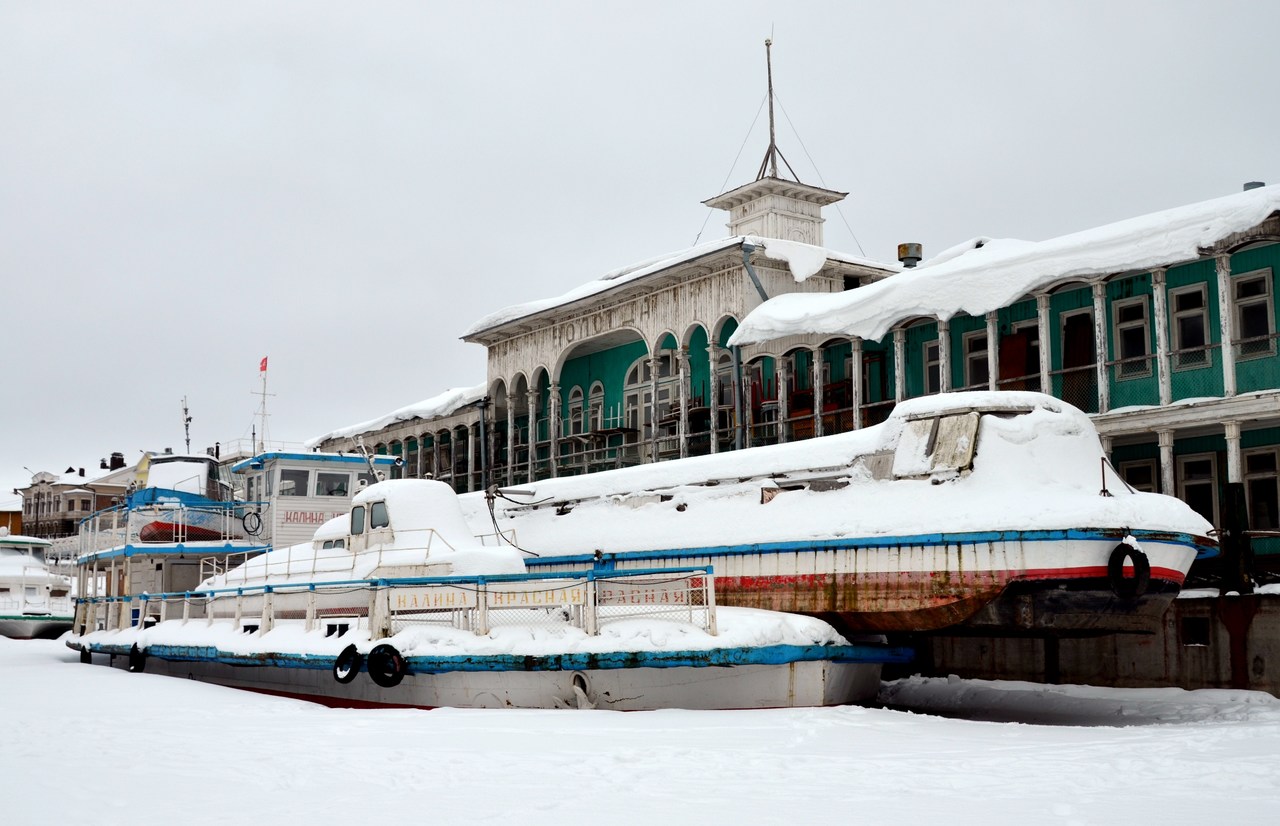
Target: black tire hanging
(386,666)
(86,657)
(347,665)
(1122,586)
(137,660)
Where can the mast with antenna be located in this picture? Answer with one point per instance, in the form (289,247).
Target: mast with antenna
(186,422)
(260,444)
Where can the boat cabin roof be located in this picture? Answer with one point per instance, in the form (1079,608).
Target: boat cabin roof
(308,460)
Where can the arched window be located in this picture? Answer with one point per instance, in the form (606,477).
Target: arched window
(575,411)
(595,407)
(636,396)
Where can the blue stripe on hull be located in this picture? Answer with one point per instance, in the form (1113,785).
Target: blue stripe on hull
(578,661)
(861,543)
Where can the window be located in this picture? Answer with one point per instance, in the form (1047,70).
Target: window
(1131,338)
(1254,314)
(976,368)
(1139,475)
(1198,484)
(575,411)
(357,520)
(932,368)
(1261,489)
(1190,327)
(293,482)
(378,517)
(332,484)
(595,407)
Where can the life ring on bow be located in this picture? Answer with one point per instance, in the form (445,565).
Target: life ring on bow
(1128,587)
(137,659)
(386,666)
(347,665)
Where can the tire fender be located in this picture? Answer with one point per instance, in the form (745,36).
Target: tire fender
(386,665)
(1128,587)
(347,665)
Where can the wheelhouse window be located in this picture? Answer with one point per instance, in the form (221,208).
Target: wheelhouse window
(293,482)
(357,520)
(332,484)
(1190,326)
(1261,489)
(378,517)
(1254,314)
(1131,338)
(932,368)
(976,367)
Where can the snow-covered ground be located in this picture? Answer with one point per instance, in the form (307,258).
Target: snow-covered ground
(94,744)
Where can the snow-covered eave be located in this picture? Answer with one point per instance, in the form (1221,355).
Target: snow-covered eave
(998,273)
(800,258)
(438,406)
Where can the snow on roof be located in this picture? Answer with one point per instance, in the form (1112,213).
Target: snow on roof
(984,275)
(804,260)
(442,404)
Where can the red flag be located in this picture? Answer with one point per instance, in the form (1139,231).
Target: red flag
(262,368)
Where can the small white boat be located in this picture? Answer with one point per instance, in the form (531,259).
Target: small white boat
(398,604)
(34,601)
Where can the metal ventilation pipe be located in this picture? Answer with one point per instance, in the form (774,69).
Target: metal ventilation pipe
(1254,185)
(910,254)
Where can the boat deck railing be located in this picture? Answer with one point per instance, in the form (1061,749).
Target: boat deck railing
(29,591)
(173,523)
(385,607)
(282,563)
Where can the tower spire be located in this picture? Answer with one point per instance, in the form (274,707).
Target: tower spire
(769,166)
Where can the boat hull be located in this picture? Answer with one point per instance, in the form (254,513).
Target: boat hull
(38,627)
(1053,582)
(802,683)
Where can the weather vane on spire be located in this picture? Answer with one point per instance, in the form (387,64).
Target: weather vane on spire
(772,154)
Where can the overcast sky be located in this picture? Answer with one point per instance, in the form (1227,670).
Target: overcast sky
(188,187)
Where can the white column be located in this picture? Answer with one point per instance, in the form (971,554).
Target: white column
(471,459)
(855,380)
(944,356)
(1045,345)
(511,439)
(1160,298)
(653,409)
(1227,324)
(713,392)
(1168,482)
(815,355)
(782,374)
(993,351)
(531,417)
(1100,345)
(899,364)
(553,429)
(682,425)
(1232,431)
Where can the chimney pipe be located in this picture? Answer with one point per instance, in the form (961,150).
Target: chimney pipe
(910,254)
(117,461)
(1254,185)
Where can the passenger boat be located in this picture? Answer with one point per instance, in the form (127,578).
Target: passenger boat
(973,510)
(401,590)
(34,601)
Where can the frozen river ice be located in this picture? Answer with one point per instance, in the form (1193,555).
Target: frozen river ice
(88,744)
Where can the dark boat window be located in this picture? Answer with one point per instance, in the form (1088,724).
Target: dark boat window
(378,515)
(357,520)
